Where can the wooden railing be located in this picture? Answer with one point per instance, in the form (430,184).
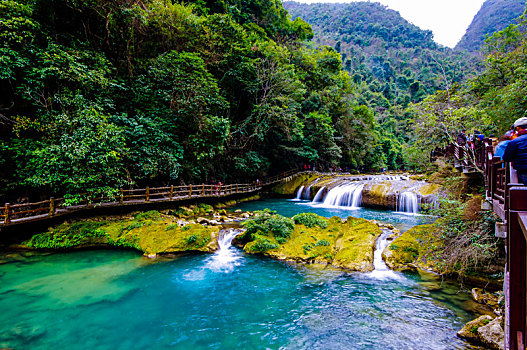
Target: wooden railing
(11,214)
(509,202)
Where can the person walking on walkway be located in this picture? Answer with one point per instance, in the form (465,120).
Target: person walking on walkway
(516,150)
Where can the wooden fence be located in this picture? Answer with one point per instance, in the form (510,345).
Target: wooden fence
(11,214)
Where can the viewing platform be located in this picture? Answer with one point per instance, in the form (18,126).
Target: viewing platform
(507,197)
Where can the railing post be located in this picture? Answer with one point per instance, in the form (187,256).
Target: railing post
(237,188)
(7,219)
(219,190)
(171,195)
(51,206)
(516,265)
(121,196)
(147,194)
(203,190)
(190,191)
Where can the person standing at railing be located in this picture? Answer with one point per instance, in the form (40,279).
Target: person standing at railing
(516,150)
(502,144)
(461,138)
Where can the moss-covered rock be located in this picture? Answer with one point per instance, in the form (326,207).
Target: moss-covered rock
(485,331)
(150,232)
(429,189)
(414,249)
(290,187)
(470,330)
(349,244)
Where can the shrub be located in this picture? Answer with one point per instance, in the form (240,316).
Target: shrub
(262,244)
(322,242)
(310,220)
(280,226)
(265,223)
(191,239)
(149,215)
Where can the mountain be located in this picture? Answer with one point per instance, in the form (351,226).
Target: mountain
(494,15)
(393,62)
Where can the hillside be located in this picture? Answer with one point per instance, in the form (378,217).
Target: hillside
(494,15)
(393,62)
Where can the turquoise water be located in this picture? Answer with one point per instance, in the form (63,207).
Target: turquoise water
(288,207)
(115,299)
(121,300)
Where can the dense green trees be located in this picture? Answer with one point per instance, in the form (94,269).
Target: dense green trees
(489,103)
(392,64)
(96,95)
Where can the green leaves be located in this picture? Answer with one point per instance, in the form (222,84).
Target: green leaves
(86,153)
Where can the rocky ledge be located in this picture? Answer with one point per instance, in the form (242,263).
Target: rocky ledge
(486,330)
(309,238)
(185,229)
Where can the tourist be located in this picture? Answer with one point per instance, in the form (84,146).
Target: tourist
(502,144)
(516,150)
(462,138)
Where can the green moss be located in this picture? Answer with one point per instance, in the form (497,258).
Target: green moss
(69,235)
(429,189)
(141,233)
(149,215)
(415,247)
(289,187)
(343,244)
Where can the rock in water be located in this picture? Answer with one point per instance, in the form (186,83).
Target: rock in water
(484,330)
(470,330)
(492,335)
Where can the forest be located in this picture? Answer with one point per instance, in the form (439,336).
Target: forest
(98,95)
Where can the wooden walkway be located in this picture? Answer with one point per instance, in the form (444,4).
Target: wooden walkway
(16,214)
(508,198)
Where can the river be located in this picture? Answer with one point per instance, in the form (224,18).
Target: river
(118,299)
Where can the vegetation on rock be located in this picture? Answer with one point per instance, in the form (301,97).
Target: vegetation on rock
(149,232)
(348,244)
(460,242)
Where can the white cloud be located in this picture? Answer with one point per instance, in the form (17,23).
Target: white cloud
(447,19)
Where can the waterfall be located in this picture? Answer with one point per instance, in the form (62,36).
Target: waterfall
(299,193)
(349,195)
(226,257)
(408,202)
(307,194)
(318,196)
(380,270)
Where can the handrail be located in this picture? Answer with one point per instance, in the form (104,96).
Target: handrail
(24,212)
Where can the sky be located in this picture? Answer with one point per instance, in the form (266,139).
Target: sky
(447,19)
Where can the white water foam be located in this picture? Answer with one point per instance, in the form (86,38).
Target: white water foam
(226,257)
(349,196)
(299,193)
(380,270)
(408,202)
(318,196)
(224,260)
